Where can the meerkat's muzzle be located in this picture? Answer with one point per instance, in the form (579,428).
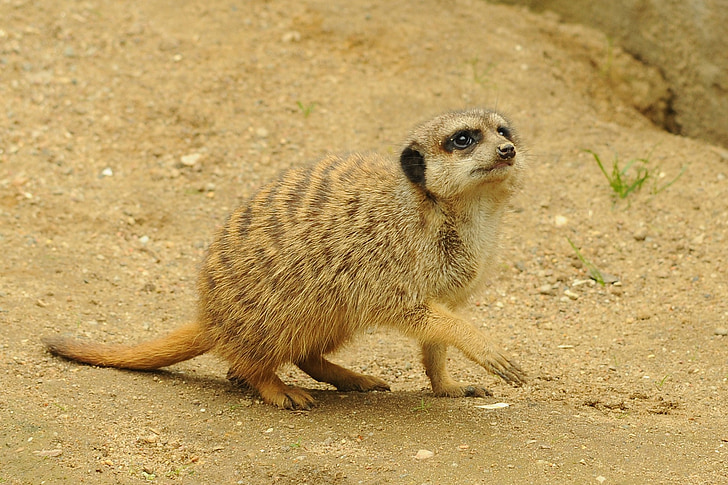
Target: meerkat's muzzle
(506,151)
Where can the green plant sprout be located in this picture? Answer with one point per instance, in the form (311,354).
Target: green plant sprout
(481,76)
(656,190)
(594,272)
(306,109)
(660,383)
(148,476)
(422,407)
(176,472)
(621,184)
(607,67)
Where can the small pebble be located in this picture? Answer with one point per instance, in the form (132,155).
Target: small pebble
(424,455)
(546,290)
(571,295)
(560,221)
(495,405)
(292,36)
(49,453)
(722,331)
(640,234)
(190,160)
(609,279)
(107,172)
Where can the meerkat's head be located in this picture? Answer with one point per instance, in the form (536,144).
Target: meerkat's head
(462,151)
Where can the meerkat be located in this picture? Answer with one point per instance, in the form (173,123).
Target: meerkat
(328,250)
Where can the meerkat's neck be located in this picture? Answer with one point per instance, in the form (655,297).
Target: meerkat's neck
(477,208)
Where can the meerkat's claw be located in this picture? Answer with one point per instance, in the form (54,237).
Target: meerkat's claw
(292,398)
(364,384)
(476,391)
(462,390)
(512,375)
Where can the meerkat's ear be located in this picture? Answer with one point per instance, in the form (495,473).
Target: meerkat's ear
(413,164)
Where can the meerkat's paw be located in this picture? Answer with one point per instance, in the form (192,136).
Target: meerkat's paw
(288,398)
(361,383)
(457,389)
(271,388)
(340,377)
(445,386)
(499,365)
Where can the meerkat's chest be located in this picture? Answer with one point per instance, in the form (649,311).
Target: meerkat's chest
(467,251)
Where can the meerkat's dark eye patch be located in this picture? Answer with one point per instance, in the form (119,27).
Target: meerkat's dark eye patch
(462,140)
(505,132)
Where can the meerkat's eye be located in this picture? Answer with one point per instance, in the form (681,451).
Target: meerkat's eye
(462,140)
(505,132)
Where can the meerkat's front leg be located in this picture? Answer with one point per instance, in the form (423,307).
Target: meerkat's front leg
(437,327)
(434,357)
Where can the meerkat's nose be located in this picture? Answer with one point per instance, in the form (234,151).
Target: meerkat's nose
(506,151)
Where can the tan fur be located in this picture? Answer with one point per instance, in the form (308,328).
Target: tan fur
(330,249)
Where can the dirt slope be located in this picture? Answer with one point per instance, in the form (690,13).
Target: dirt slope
(128,131)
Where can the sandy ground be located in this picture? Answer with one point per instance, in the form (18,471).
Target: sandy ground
(129,130)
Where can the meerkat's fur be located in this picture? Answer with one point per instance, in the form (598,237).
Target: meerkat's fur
(348,243)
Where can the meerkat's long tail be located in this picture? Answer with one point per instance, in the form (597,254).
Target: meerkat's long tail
(182,344)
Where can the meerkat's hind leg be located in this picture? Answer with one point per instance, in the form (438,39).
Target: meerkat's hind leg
(343,379)
(237,380)
(434,357)
(271,388)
